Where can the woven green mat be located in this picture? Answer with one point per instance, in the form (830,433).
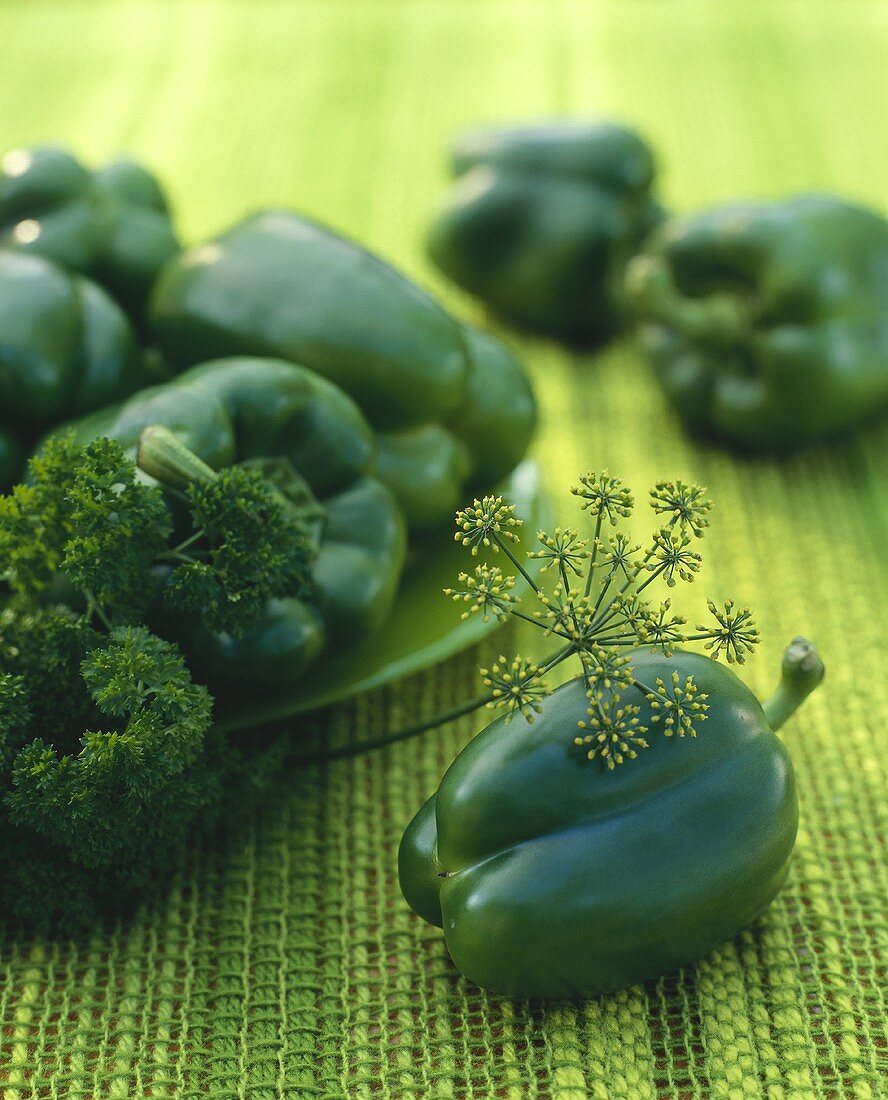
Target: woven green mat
(283,962)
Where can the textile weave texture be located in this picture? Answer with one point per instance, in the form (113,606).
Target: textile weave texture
(283,962)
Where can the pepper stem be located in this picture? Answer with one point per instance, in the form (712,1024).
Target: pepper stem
(719,318)
(166,458)
(801,672)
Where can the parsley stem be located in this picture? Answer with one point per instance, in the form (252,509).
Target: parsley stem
(501,543)
(356,749)
(558,657)
(537,623)
(93,608)
(440,719)
(610,612)
(185,543)
(605,585)
(593,556)
(654,574)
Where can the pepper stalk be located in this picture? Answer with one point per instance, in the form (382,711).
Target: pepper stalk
(801,672)
(252,540)
(720,319)
(163,456)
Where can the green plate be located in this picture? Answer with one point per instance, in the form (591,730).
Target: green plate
(423,629)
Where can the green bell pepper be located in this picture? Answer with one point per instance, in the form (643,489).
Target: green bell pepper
(65,348)
(112,224)
(312,441)
(551,877)
(453,408)
(542,221)
(767,323)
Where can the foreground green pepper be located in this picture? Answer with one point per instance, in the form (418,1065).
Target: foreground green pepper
(542,221)
(602,841)
(311,440)
(768,323)
(112,224)
(452,406)
(65,348)
(554,879)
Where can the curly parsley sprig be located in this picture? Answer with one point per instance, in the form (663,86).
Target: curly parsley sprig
(599,607)
(108,755)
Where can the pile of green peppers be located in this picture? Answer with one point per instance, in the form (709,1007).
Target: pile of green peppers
(542,221)
(301,352)
(113,224)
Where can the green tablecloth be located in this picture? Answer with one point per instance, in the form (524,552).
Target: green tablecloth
(283,963)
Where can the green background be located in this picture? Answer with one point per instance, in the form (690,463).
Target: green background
(283,961)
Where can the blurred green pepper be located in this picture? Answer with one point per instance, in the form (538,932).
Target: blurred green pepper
(542,221)
(453,408)
(65,348)
(555,877)
(768,322)
(312,441)
(112,224)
